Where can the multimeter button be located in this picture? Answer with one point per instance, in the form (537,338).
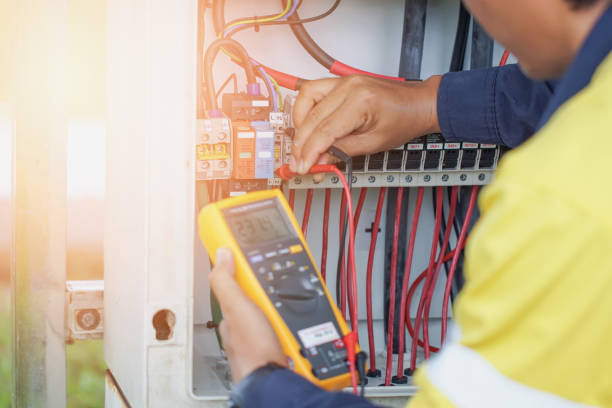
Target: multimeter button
(289,264)
(270,276)
(262,270)
(256,258)
(303,268)
(320,292)
(271,290)
(313,278)
(313,351)
(271,254)
(278,304)
(294,249)
(276,266)
(283,251)
(339,343)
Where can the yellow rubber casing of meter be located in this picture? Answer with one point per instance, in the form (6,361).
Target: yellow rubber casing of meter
(275,268)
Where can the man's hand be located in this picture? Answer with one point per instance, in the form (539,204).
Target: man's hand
(360,114)
(248,338)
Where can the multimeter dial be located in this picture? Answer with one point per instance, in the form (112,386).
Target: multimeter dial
(285,272)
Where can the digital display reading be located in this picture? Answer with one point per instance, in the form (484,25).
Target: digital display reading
(258,226)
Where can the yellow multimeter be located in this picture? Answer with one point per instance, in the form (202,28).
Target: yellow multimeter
(276,270)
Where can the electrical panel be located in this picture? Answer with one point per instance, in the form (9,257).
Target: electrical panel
(169,154)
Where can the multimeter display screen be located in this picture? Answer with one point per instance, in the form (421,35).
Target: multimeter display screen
(259,226)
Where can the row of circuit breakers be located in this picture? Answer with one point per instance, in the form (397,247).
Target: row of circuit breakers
(240,149)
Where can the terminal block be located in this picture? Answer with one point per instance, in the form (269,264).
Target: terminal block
(213,149)
(488,156)
(469,154)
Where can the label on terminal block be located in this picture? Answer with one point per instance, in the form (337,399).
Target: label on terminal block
(434,146)
(452,146)
(415,146)
(487,146)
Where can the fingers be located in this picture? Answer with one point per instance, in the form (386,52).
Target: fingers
(338,124)
(320,100)
(310,94)
(222,282)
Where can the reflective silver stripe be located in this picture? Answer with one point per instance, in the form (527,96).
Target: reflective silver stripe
(469,381)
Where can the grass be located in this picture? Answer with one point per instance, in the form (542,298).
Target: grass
(85,365)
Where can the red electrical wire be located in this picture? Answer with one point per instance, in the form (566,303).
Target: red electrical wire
(285,173)
(341,69)
(375,226)
(362,197)
(432,259)
(406,279)
(291,198)
(306,217)
(504,58)
(342,279)
(325,233)
(432,285)
(392,278)
(358,209)
(451,272)
(413,288)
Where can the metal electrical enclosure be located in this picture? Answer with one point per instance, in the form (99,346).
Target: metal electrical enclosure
(153,261)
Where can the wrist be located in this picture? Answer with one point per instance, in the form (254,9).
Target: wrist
(431,87)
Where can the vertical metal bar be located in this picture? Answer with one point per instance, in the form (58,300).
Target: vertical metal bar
(38,229)
(415,14)
(482,47)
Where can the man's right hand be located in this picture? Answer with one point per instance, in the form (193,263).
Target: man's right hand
(359,115)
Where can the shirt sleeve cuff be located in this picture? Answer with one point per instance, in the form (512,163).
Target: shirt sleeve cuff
(466,106)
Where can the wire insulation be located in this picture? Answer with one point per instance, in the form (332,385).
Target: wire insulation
(375,226)
(306,216)
(325,233)
(406,279)
(392,279)
(451,272)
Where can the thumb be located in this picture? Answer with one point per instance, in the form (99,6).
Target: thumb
(222,280)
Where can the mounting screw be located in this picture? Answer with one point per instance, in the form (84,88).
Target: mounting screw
(390,179)
(463,177)
(354,179)
(298,180)
(408,179)
(427,178)
(335,179)
(445,177)
(481,177)
(371,179)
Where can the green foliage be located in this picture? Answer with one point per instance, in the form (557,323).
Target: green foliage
(5,348)
(85,365)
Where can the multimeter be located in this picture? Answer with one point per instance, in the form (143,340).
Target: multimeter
(276,270)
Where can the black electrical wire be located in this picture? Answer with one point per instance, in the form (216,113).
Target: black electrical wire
(334,151)
(209,59)
(459,49)
(227,81)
